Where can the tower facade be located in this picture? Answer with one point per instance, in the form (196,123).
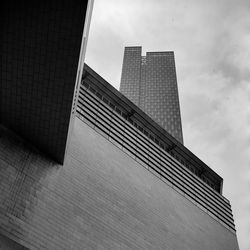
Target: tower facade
(150,82)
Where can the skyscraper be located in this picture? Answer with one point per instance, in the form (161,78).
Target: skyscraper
(150,82)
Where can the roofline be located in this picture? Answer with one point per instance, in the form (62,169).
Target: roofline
(160,52)
(133,47)
(152,123)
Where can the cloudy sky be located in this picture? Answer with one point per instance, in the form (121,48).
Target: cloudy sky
(211,41)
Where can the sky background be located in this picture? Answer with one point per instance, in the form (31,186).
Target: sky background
(211,42)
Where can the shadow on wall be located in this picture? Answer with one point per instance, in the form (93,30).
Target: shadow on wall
(24,174)
(8,244)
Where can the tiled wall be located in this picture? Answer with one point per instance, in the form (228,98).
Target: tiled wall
(100,198)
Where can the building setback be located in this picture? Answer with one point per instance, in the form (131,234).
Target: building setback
(99,175)
(150,82)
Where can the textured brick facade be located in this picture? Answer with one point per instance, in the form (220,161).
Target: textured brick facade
(100,198)
(150,82)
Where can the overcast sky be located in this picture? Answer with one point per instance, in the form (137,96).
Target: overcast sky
(211,42)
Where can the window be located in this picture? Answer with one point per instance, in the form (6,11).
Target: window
(98,95)
(105,100)
(92,90)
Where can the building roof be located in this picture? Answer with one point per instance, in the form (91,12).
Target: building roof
(174,147)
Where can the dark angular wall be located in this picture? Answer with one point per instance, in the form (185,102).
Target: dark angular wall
(99,199)
(40,46)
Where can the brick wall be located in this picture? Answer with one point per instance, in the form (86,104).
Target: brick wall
(99,199)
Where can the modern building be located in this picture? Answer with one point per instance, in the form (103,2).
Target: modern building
(125,183)
(150,83)
(81,166)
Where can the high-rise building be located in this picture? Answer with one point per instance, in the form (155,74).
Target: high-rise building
(150,82)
